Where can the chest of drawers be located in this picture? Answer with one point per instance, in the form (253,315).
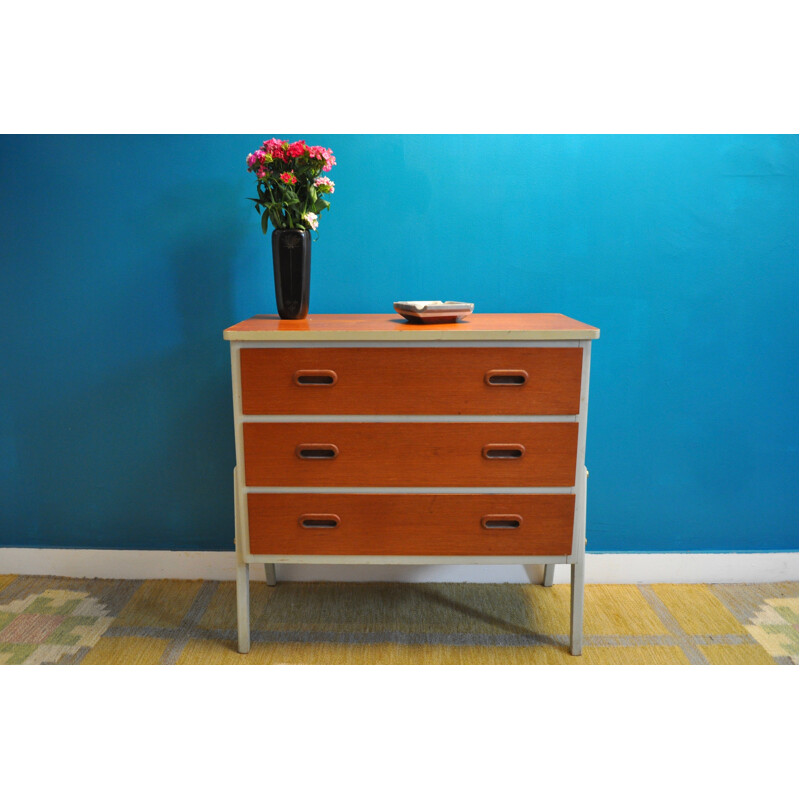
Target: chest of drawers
(367,439)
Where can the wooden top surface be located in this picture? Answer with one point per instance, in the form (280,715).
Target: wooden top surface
(391,327)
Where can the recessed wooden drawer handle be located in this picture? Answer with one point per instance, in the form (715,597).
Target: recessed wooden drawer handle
(506,377)
(319,521)
(505,522)
(312,452)
(499,451)
(315,377)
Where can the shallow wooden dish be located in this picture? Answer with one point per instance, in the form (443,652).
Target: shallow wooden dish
(433,311)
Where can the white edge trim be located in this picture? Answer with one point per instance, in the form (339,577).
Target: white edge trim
(510,490)
(600,567)
(405,338)
(347,343)
(410,418)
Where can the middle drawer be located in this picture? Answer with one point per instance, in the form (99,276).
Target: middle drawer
(455,454)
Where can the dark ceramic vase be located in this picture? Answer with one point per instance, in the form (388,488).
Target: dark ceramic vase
(291,262)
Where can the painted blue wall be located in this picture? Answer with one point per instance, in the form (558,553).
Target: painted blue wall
(122,258)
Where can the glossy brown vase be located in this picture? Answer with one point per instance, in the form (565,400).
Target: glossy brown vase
(291,263)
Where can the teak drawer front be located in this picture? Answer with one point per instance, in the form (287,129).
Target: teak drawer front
(413,525)
(449,454)
(429,380)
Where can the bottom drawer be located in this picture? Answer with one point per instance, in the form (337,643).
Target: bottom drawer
(412,525)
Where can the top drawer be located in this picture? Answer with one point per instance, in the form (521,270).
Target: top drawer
(411,380)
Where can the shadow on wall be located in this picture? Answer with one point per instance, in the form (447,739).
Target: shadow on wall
(146,457)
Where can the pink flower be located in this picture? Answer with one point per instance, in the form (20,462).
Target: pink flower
(297,149)
(276,148)
(257,161)
(323,154)
(325,185)
(288,177)
(312,220)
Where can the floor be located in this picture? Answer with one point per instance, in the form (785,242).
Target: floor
(50,620)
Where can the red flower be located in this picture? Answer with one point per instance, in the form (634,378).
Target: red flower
(297,149)
(276,148)
(288,177)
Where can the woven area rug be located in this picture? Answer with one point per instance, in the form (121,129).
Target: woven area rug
(48,620)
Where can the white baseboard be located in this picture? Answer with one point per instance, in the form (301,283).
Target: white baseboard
(600,567)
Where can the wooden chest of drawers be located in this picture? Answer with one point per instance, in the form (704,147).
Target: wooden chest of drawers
(366,439)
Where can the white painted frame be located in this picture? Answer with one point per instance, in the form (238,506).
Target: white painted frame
(244,557)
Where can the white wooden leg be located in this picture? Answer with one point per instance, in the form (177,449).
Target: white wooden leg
(549,572)
(576,609)
(578,569)
(243,606)
(269,569)
(242,579)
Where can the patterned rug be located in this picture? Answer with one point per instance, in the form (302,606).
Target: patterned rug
(47,620)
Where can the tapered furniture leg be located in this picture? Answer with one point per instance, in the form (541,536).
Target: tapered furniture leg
(578,571)
(576,609)
(269,569)
(549,572)
(243,606)
(242,579)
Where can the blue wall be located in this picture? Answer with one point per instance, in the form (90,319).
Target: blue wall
(122,258)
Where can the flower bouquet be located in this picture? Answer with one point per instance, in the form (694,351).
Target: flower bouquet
(291,195)
(290,187)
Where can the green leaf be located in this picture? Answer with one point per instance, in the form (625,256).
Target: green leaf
(264,221)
